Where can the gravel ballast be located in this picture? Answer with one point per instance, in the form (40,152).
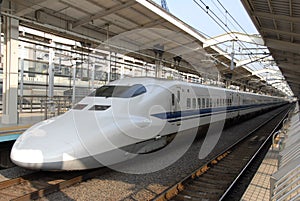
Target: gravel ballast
(115,185)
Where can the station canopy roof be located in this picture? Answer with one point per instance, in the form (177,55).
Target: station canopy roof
(278,22)
(139,27)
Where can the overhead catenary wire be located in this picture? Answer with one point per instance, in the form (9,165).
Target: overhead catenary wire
(224,25)
(219,22)
(235,21)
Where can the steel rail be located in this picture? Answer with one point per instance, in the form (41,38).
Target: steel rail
(59,182)
(179,186)
(254,156)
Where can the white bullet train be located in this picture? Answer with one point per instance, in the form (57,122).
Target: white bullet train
(131,115)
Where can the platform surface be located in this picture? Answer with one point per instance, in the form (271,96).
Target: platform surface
(25,121)
(259,188)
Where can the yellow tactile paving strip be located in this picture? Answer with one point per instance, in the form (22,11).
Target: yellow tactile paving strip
(25,121)
(11,128)
(259,188)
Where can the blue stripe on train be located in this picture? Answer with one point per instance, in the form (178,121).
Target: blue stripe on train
(204,112)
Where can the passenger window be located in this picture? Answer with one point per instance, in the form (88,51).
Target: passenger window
(199,102)
(203,102)
(188,103)
(178,96)
(207,102)
(210,102)
(194,103)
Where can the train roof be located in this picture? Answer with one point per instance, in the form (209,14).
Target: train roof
(141,80)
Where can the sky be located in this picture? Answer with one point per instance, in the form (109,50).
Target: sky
(189,12)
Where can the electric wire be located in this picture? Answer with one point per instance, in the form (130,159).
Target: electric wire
(223,25)
(220,22)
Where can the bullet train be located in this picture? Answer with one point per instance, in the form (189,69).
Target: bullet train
(131,115)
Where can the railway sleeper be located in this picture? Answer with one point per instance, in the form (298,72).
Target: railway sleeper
(242,160)
(199,195)
(216,176)
(212,181)
(207,184)
(184,198)
(224,171)
(226,168)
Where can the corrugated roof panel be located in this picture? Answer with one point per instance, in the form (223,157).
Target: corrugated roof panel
(83,5)
(75,12)
(267,23)
(260,6)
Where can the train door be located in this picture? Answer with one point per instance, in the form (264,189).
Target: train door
(175,100)
(175,103)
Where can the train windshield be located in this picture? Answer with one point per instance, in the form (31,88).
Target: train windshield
(119,91)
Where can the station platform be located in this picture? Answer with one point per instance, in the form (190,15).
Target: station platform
(10,132)
(277,178)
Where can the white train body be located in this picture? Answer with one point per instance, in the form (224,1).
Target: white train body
(123,114)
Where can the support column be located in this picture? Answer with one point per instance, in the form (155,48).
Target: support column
(10,71)
(109,67)
(159,51)
(51,71)
(22,56)
(228,78)
(93,74)
(177,60)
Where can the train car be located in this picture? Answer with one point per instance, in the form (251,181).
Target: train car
(138,115)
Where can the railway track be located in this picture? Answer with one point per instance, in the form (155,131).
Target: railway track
(216,179)
(39,184)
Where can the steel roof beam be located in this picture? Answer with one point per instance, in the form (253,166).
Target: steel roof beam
(250,60)
(276,17)
(253,39)
(280,32)
(265,70)
(282,45)
(36,5)
(289,66)
(108,11)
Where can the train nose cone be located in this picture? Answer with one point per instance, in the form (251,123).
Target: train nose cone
(47,146)
(33,153)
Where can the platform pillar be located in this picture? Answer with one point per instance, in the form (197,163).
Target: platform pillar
(51,71)
(10,71)
(158,51)
(228,83)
